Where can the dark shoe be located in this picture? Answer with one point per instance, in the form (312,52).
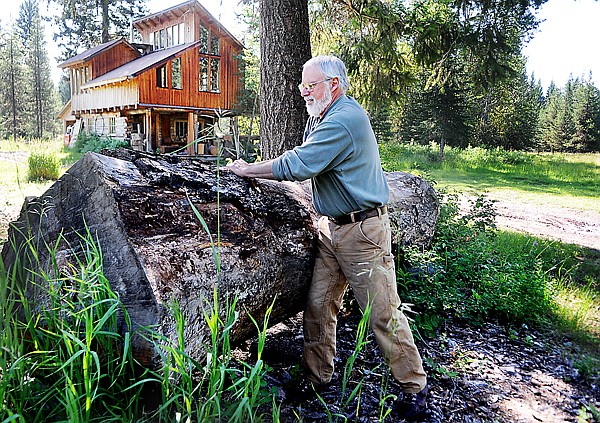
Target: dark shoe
(413,406)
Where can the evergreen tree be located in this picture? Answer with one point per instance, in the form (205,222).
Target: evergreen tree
(83,24)
(13,80)
(282,54)
(566,129)
(551,119)
(42,104)
(586,118)
(432,114)
(510,112)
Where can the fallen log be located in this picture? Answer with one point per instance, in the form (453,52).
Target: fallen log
(253,239)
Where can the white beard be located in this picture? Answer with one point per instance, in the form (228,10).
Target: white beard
(318,106)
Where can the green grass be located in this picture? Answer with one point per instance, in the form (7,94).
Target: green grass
(560,179)
(477,273)
(54,364)
(15,181)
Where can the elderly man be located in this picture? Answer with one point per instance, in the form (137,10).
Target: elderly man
(340,154)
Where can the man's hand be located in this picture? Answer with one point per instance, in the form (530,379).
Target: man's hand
(254,170)
(239,167)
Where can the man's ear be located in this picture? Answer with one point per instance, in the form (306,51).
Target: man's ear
(335,82)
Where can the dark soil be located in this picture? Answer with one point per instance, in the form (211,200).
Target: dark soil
(476,374)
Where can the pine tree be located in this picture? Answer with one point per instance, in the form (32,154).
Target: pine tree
(13,81)
(586,118)
(83,24)
(42,106)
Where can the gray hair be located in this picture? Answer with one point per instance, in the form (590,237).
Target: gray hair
(331,67)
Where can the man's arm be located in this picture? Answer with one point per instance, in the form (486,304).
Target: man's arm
(252,170)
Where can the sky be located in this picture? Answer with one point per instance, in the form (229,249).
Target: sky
(566,42)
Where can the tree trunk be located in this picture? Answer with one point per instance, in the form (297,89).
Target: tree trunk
(156,251)
(284,48)
(105,21)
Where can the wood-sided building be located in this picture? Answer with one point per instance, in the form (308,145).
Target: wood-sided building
(162,93)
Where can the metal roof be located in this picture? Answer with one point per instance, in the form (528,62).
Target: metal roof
(81,57)
(137,66)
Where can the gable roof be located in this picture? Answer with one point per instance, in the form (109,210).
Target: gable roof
(88,54)
(134,68)
(179,10)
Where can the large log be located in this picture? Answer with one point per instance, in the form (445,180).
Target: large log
(156,250)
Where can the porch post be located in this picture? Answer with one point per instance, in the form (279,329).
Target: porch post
(148,130)
(191,134)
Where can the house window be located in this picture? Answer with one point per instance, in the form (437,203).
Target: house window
(176,73)
(112,125)
(181,33)
(161,39)
(210,74)
(214,44)
(175,31)
(203,74)
(169,37)
(86,74)
(215,65)
(156,43)
(161,77)
(181,129)
(203,38)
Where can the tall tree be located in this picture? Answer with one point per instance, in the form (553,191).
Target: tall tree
(383,40)
(432,114)
(13,79)
(40,88)
(586,117)
(83,24)
(509,113)
(284,48)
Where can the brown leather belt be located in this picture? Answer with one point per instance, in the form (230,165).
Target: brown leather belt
(359,216)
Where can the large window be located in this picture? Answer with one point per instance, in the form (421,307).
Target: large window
(161,77)
(203,73)
(203,38)
(168,37)
(176,73)
(215,65)
(210,66)
(214,44)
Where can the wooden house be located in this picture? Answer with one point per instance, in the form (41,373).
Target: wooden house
(163,93)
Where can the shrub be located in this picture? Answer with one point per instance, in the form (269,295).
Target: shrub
(43,166)
(470,275)
(94,142)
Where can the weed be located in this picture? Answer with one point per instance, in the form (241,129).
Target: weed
(43,166)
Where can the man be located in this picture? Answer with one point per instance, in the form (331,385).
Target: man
(340,154)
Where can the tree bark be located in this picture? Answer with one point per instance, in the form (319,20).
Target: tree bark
(156,251)
(284,48)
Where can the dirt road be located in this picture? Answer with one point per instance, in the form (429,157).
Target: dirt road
(568,225)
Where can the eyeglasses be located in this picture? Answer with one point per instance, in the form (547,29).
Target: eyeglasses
(310,87)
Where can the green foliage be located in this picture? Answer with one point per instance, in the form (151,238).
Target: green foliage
(570,120)
(468,275)
(43,166)
(69,360)
(92,142)
(565,175)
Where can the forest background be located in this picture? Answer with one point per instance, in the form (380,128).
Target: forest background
(450,73)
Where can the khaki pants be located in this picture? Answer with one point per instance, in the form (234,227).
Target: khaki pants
(359,255)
